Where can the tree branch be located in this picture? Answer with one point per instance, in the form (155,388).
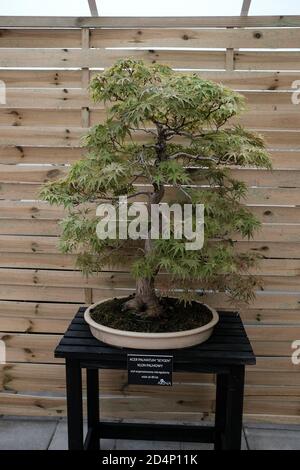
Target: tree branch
(192,157)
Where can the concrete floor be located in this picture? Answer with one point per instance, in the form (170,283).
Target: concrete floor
(18,433)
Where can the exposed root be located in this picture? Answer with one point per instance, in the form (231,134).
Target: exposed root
(145,307)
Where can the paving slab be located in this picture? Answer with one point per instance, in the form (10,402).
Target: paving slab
(288,427)
(200,446)
(126,444)
(26,434)
(196,446)
(60,438)
(272,439)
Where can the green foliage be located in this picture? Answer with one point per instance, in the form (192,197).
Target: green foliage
(165,128)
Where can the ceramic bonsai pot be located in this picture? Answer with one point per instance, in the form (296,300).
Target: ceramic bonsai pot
(140,340)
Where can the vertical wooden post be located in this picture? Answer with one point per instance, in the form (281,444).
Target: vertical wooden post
(85,44)
(85,121)
(221,410)
(92,384)
(74,404)
(229,59)
(234,411)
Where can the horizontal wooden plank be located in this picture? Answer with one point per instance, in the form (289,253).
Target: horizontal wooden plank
(148,22)
(252,80)
(66,278)
(270,119)
(285,160)
(274,300)
(267,178)
(287,139)
(261,120)
(69,58)
(62,114)
(275,349)
(270,406)
(272,214)
(37,312)
(255,196)
(276,233)
(54,311)
(33,325)
(22,111)
(71,136)
(272,196)
(12,247)
(21,377)
(58,98)
(252,177)
(273,333)
(21,321)
(30,348)
(281,364)
(271,60)
(42,78)
(40,117)
(30,317)
(22,405)
(270,316)
(267,299)
(280,250)
(198,38)
(38,348)
(130,406)
(238,80)
(47,136)
(37,260)
(189,59)
(17,154)
(48,294)
(31,210)
(37,256)
(40,38)
(28,227)
(46,317)
(40,210)
(13,173)
(29,244)
(271,97)
(267,232)
(260,101)
(117,279)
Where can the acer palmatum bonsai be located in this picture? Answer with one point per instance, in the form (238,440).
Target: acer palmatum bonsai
(159,124)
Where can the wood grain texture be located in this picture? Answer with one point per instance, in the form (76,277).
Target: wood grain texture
(42,123)
(149,22)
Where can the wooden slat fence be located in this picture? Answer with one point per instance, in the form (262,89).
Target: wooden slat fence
(46,64)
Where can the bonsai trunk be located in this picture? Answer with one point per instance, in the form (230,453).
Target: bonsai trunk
(145,301)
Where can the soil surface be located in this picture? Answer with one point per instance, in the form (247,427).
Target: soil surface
(176,316)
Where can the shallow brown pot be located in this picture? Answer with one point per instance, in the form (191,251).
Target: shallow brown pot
(139,340)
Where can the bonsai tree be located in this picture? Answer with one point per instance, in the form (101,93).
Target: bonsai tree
(165,132)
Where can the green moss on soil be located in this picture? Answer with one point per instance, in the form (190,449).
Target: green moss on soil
(176,316)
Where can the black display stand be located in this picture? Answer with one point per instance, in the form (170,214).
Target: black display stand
(226,353)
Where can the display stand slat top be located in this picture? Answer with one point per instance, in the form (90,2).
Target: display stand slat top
(228,344)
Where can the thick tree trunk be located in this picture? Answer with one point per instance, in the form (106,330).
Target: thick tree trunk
(145,301)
